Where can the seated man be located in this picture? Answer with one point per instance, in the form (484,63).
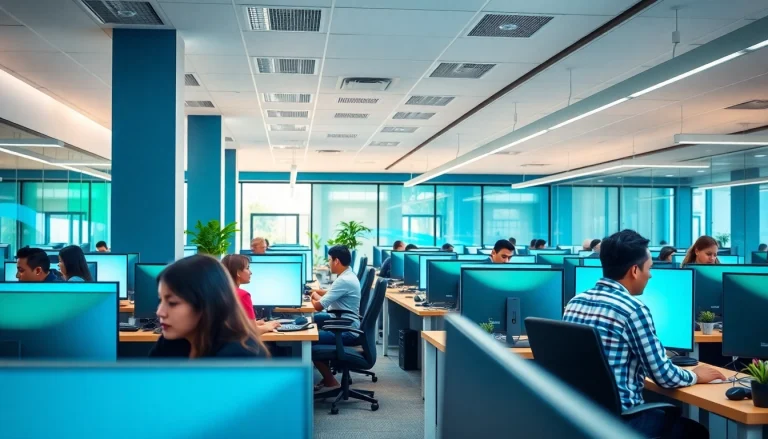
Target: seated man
(386,266)
(344,295)
(101,247)
(446,248)
(627,330)
(259,246)
(502,251)
(34,265)
(762,247)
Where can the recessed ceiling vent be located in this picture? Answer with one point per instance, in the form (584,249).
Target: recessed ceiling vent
(288,98)
(283,19)
(509,26)
(507,153)
(461,70)
(190,80)
(412,115)
(369,84)
(358,100)
(328,151)
(229,139)
(199,104)
(342,136)
(288,113)
(399,129)
(383,143)
(287,127)
(534,165)
(757,104)
(289,66)
(124,12)
(351,116)
(435,101)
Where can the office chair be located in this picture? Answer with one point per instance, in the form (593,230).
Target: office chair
(361,357)
(555,343)
(361,269)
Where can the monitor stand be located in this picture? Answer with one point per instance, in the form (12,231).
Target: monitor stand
(514,326)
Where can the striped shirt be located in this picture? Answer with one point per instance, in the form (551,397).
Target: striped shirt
(629,340)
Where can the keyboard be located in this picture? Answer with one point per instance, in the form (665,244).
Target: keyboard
(293,328)
(127,327)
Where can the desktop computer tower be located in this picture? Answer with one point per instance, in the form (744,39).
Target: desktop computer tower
(409,349)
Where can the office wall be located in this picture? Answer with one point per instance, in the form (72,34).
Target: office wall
(580,212)
(650,212)
(333,203)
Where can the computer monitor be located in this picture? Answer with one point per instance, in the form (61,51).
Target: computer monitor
(282,257)
(708,281)
(458,248)
(484,294)
(471,249)
(10,269)
(745,299)
(58,320)
(275,284)
(113,267)
(145,295)
(555,260)
(222,399)
(385,254)
(376,257)
(190,251)
(397,267)
(484,251)
(669,297)
(584,253)
(475,258)
(307,252)
(591,262)
(411,265)
(760,257)
(523,399)
(133,259)
(569,277)
(5,251)
(548,251)
(729,259)
(529,259)
(424,261)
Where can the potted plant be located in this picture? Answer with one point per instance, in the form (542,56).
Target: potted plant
(317,244)
(211,238)
(759,371)
(723,239)
(707,322)
(487,326)
(349,234)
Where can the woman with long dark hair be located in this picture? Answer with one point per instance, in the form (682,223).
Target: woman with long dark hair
(703,251)
(667,254)
(200,314)
(73,266)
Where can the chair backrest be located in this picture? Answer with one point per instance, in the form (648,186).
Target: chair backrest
(365,289)
(370,318)
(574,353)
(361,268)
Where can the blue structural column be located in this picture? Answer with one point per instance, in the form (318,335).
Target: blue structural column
(683,216)
(230,191)
(205,170)
(745,213)
(148,143)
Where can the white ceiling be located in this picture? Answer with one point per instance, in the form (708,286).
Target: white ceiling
(67,54)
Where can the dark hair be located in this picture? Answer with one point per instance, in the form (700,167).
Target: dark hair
(533,243)
(513,241)
(540,242)
(101,244)
(36,257)
(266,241)
(762,247)
(594,244)
(666,252)
(447,247)
(342,253)
(702,243)
(622,251)
(503,244)
(73,259)
(663,242)
(411,247)
(201,281)
(397,244)
(235,263)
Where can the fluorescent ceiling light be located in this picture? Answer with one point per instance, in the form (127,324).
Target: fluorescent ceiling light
(688,73)
(44,143)
(599,170)
(96,174)
(721,139)
(746,182)
(757,46)
(94,164)
(294,175)
(589,113)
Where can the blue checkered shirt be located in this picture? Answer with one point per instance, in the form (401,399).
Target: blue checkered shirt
(629,340)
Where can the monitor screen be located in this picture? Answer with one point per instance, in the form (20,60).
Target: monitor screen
(669,297)
(745,300)
(709,283)
(484,294)
(385,254)
(308,268)
(133,259)
(522,259)
(729,259)
(569,277)
(471,250)
(548,251)
(11,269)
(58,320)
(556,260)
(424,260)
(485,251)
(760,257)
(227,399)
(113,267)
(275,284)
(397,269)
(411,265)
(282,257)
(145,294)
(376,257)
(591,262)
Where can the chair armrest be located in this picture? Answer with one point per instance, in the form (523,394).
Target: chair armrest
(337,322)
(341,312)
(669,409)
(337,331)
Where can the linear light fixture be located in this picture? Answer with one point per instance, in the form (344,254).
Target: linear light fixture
(39,160)
(598,170)
(747,182)
(721,139)
(294,175)
(44,143)
(92,164)
(589,113)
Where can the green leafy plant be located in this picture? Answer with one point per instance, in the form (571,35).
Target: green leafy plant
(488,327)
(723,238)
(706,317)
(211,238)
(349,234)
(759,371)
(317,244)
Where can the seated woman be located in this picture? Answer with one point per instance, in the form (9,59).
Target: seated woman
(667,254)
(239,269)
(703,251)
(200,315)
(73,266)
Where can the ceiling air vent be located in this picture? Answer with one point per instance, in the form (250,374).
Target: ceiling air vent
(507,153)
(534,165)
(399,129)
(288,113)
(283,19)
(412,115)
(291,66)
(328,151)
(757,104)
(124,12)
(461,70)
(509,26)
(229,139)
(342,136)
(351,116)
(190,80)
(369,84)
(358,100)
(383,143)
(288,98)
(287,127)
(199,104)
(435,101)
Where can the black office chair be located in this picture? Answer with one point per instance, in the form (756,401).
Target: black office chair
(361,357)
(555,343)
(361,269)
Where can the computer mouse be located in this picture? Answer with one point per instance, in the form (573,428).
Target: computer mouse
(738,393)
(300,321)
(418,298)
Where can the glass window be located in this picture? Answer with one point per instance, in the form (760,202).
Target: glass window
(519,213)
(407,214)
(458,215)
(334,203)
(699,225)
(650,212)
(9,212)
(60,213)
(764,214)
(275,211)
(721,213)
(581,213)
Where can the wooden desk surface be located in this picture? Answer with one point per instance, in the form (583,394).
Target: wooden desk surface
(406,301)
(711,397)
(437,339)
(715,337)
(126,306)
(305,307)
(151,337)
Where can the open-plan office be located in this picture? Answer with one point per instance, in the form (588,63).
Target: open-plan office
(554,216)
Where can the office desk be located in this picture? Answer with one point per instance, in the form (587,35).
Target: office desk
(432,373)
(305,308)
(699,337)
(126,306)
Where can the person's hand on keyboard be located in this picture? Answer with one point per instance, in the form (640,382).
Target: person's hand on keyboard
(272,325)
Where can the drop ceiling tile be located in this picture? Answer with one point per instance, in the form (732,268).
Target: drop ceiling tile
(571,7)
(74,78)
(332,84)
(734,10)
(292,3)
(201,17)
(386,47)
(375,68)
(399,22)
(232,64)
(458,87)
(19,38)
(279,83)
(37,61)
(236,100)
(94,61)
(212,43)
(433,5)
(285,44)
(226,82)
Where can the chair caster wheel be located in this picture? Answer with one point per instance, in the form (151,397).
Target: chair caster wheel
(375,379)
(374,407)
(334,411)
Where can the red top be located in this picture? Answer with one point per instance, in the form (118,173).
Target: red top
(245,299)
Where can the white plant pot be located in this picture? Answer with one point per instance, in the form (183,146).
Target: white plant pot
(707,328)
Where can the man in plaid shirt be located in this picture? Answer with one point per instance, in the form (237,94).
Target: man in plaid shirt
(626,328)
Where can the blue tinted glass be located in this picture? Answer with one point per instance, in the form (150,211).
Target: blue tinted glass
(112,268)
(709,283)
(275,284)
(223,402)
(282,257)
(744,305)
(423,261)
(145,293)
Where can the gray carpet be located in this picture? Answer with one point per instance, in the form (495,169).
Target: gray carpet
(401,409)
